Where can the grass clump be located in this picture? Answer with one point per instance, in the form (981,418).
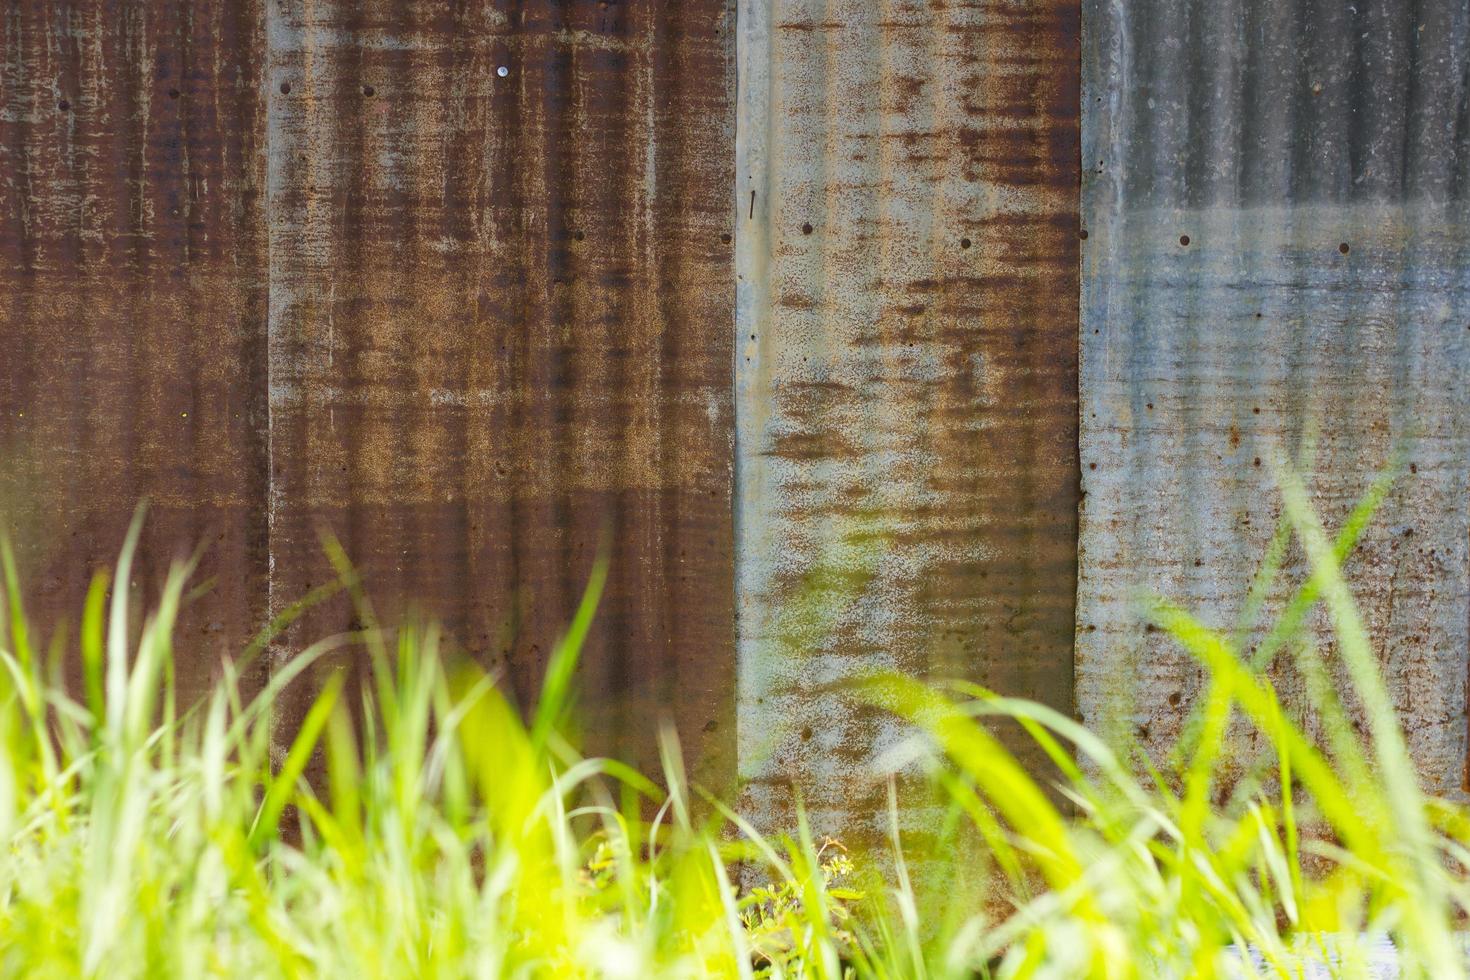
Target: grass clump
(421,825)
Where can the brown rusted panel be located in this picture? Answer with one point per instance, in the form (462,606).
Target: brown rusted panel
(907,185)
(133,303)
(500,326)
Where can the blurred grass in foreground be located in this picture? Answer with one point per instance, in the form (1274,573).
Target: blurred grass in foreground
(453,836)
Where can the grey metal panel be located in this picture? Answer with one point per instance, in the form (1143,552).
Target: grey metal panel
(1315,157)
(906,470)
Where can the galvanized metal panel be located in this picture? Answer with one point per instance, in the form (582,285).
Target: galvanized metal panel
(132,303)
(906,464)
(501,301)
(1275,199)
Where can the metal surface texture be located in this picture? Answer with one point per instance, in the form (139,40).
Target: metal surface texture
(450,281)
(463,285)
(500,314)
(132,304)
(1275,200)
(905,372)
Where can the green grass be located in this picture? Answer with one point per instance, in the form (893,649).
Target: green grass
(448,835)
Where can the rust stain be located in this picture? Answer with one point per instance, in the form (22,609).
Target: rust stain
(132,304)
(905,374)
(500,328)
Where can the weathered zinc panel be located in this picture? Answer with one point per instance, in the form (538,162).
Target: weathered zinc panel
(1275,199)
(132,303)
(906,468)
(501,303)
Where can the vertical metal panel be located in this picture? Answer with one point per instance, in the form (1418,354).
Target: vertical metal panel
(501,301)
(132,302)
(1316,158)
(906,479)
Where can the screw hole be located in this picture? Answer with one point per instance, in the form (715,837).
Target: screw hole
(1343,248)
(63,105)
(964,243)
(285,88)
(369,91)
(579,235)
(725,238)
(1082,234)
(1184,240)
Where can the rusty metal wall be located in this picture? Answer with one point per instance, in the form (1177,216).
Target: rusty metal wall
(906,459)
(464,284)
(450,280)
(132,303)
(500,329)
(1275,200)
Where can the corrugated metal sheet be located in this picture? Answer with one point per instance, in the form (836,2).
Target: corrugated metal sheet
(906,469)
(501,302)
(132,302)
(1275,196)
(456,282)
(451,280)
